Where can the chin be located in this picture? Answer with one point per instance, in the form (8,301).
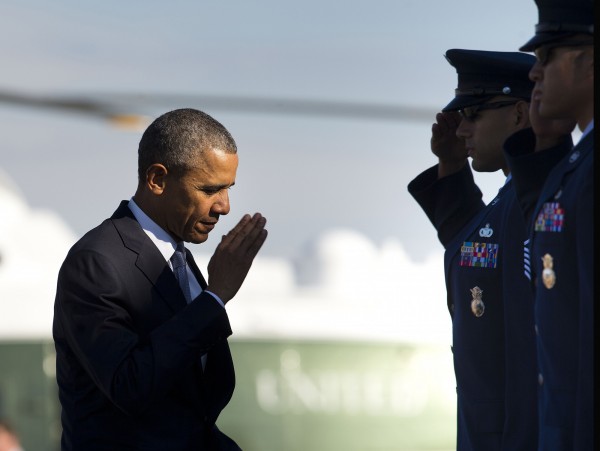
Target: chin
(548,112)
(198,239)
(482,168)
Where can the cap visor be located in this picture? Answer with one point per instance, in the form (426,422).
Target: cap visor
(541,39)
(461,102)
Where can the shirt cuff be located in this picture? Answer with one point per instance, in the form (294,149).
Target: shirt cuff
(216,297)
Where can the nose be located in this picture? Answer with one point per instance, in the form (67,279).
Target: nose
(535,73)
(221,205)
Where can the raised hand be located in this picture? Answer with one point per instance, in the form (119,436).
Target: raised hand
(445,145)
(234,255)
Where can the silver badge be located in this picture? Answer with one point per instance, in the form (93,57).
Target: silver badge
(486,231)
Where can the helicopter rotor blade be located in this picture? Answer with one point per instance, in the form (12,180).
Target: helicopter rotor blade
(110,106)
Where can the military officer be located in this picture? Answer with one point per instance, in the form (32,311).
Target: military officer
(489,297)
(558,202)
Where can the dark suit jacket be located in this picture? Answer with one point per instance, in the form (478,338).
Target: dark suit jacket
(558,199)
(128,348)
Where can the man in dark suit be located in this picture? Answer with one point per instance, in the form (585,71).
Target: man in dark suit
(141,338)
(489,298)
(556,194)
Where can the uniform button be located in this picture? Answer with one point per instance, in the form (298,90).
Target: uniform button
(541,379)
(574,156)
(537,332)
(452,307)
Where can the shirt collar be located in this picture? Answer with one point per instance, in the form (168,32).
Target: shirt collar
(588,129)
(163,241)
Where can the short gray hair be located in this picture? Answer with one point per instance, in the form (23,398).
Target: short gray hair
(178,139)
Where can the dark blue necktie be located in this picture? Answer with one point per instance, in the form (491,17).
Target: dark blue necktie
(179,269)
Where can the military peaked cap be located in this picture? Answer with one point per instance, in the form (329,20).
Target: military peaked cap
(560,19)
(483,75)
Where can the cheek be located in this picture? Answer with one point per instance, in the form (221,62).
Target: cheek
(201,208)
(555,82)
(477,131)
(553,96)
(484,140)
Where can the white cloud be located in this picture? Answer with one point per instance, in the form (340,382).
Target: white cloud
(344,287)
(33,244)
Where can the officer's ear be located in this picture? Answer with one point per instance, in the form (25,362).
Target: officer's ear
(587,61)
(521,114)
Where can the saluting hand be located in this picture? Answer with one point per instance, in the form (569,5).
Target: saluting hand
(234,255)
(449,148)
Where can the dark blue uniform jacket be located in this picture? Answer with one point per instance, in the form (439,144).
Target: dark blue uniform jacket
(559,209)
(494,353)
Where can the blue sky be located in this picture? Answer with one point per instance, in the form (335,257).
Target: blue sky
(306,174)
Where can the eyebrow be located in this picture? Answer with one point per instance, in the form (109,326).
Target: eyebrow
(215,187)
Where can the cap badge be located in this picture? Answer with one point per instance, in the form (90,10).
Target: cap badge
(477,305)
(548,274)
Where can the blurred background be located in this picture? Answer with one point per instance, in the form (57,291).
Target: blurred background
(341,333)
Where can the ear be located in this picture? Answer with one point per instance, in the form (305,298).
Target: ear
(521,114)
(156,178)
(584,62)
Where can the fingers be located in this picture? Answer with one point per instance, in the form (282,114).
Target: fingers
(447,121)
(257,242)
(247,236)
(252,236)
(444,142)
(445,125)
(239,226)
(247,231)
(234,255)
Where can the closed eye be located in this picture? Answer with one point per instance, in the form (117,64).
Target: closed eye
(212,190)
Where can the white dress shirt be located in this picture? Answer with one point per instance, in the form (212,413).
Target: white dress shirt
(166,246)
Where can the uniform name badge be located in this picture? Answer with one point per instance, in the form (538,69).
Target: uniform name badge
(548,274)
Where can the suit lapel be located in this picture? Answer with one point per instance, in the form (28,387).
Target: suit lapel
(149,261)
(153,265)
